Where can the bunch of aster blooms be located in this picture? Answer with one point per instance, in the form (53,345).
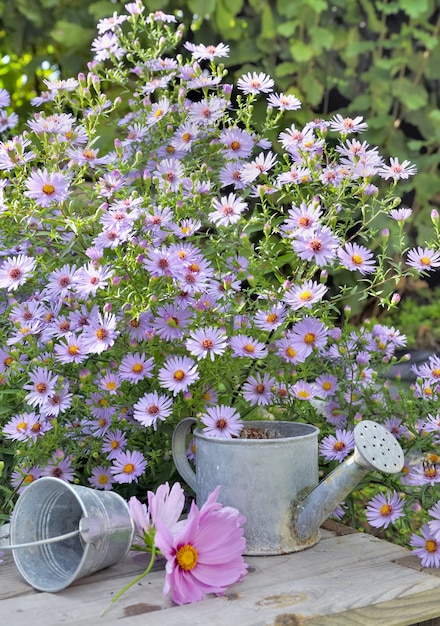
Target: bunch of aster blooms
(173,244)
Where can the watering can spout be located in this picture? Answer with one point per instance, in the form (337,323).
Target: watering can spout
(375,449)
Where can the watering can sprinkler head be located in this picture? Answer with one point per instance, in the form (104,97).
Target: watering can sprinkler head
(376,449)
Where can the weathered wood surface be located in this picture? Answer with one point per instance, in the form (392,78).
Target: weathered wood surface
(345,580)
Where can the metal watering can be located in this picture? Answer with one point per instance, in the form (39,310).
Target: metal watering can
(273,482)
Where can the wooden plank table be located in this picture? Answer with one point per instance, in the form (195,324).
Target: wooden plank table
(347,579)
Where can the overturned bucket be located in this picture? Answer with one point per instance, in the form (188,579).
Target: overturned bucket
(61,532)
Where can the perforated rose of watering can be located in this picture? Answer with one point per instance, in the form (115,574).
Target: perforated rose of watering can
(273,481)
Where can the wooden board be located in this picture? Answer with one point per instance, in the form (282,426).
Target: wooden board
(345,580)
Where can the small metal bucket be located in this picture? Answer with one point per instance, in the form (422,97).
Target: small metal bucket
(68,532)
(262,478)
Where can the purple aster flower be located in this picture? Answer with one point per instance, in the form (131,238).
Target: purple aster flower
(395,426)
(101,478)
(336,447)
(60,282)
(22,477)
(207,342)
(114,442)
(221,421)
(424,474)
(184,136)
(171,321)
(195,565)
(128,466)
(258,389)
(355,257)
(400,215)
(243,345)
(384,509)
(271,319)
(100,334)
(296,175)
(18,428)
(5,98)
(334,414)
(305,295)
(110,23)
(238,143)
(15,271)
(309,333)
(427,548)
(290,351)
(56,403)
(284,102)
(434,525)
(423,259)
(207,110)
(60,466)
(255,83)
(202,52)
(42,386)
(170,173)
(260,165)
(110,382)
(397,170)
(90,278)
(327,385)
(347,125)
(304,390)
(227,210)
(46,187)
(178,373)
(318,246)
(163,262)
(71,350)
(151,408)
(136,367)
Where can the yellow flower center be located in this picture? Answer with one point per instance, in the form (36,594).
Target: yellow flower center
(103,479)
(271,318)
(303,394)
(339,445)
(357,259)
(29,478)
(386,509)
(326,385)
(137,368)
(179,375)
(306,296)
(249,348)
(110,385)
(187,557)
(424,260)
(128,468)
(48,189)
(310,338)
(290,352)
(431,545)
(21,426)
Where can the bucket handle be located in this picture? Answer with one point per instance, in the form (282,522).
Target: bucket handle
(179,447)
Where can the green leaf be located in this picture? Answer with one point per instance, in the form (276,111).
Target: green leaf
(233,6)
(30,10)
(322,38)
(414,8)
(301,52)
(203,8)
(103,8)
(411,96)
(313,90)
(267,23)
(71,35)
(287,28)
(286,69)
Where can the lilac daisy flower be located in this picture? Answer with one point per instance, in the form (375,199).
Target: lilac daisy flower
(169,173)
(243,346)
(178,373)
(255,83)
(305,295)
(423,259)
(71,350)
(110,382)
(101,478)
(238,143)
(46,187)
(151,408)
(206,342)
(57,403)
(346,125)
(221,421)
(302,218)
(171,321)
(271,319)
(22,477)
(290,351)
(100,334)
(384,509)
(128,466)
(42,386)
(90,278)
(136,367)
(304,390)
(400,215)
(355,257)
(227,210)
(327,385)
(113,443)
(15,271)
(60,282)
(202,52)
(19,427)
(260,165)
(318,246)
(309,333)
(60,466)
(427,548)
(397,170)
(257,390)
(284,102)
(336,447)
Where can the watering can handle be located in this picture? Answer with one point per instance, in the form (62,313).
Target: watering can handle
(179,447)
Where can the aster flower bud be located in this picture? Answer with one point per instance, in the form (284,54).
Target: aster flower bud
(395,299)
(434,216)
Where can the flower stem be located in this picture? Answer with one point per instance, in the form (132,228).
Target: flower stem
(132,582)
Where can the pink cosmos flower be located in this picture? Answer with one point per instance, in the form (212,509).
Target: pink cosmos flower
(165,506)
(15,271)
(46,187)
(221,421)
(206,555)
(384,509)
